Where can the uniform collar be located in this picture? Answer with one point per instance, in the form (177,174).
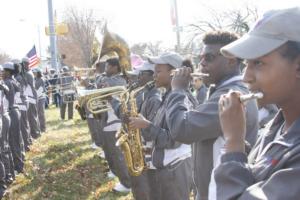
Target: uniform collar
(292,135)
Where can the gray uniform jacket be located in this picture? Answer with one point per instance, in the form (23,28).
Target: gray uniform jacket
(201,127)
(164,147)
(201,94)
(21,80)
(151,100)
(13,87)
(271,170)
(30,80)
(40,83)
(115,80)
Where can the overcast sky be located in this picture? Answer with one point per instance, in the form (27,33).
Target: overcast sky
(135,20)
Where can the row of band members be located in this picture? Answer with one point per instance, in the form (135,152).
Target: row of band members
(185,140)
(22,104)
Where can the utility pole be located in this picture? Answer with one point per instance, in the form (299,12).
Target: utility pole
(53,49)
(40,45)
(175,20)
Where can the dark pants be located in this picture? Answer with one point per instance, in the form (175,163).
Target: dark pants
(63,110)
(41,114)
(140,186)
(33,121)
(171,183)
(57,99)
(16,140)
(25,130)
(6,156)
(95,129)
(115,158)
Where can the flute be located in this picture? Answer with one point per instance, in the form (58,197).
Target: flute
(195,74)
(250,96)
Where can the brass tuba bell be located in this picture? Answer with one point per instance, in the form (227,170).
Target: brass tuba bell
(96,100)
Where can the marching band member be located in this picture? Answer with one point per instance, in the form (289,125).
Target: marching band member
(68,93)
(148,101)
(53,80)
(15,137)
(169,173)
(149,104)
(23,104)
(94,124)
(31,94)
(41,96)
(271,171)
(6,176)
(112,124)
(201,126)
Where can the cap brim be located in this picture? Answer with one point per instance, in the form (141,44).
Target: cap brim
(146,68)
(156,60)
(134,73)
(251,47)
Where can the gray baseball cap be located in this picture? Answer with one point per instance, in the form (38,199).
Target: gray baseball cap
(170,58)
(146,67)
(8,65)
(274,29)
(25,59)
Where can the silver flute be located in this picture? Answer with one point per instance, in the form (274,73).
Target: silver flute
(250,96)
(195,74)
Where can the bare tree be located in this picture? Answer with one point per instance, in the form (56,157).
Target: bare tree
(4,57)
(233,20)
(79,44)
(148,49)
(138,49)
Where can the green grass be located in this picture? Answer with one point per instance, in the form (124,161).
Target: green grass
(62,166)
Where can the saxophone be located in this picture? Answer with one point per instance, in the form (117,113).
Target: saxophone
(130,139)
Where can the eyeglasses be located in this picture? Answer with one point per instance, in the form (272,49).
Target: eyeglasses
(209,57)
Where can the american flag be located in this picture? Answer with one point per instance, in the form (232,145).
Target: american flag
(33,59)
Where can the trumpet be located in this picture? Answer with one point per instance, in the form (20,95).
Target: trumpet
(247,97)
(195,74)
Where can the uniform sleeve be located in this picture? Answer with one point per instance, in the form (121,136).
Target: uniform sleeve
(201,96)
(160,135)
(116,105)
(235,180)
(116,81)
(189,126)
(152,106)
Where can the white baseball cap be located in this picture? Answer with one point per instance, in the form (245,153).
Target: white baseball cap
(274,29)
(170,58)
